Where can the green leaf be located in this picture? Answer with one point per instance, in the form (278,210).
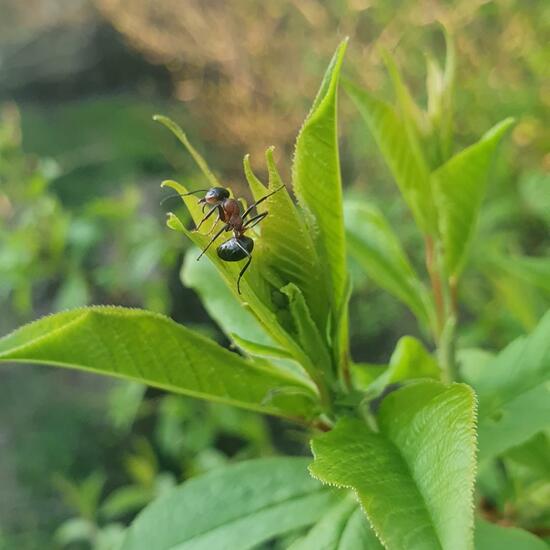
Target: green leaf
(199,160)
(406,165)
(440,87)
(74,530)
(359,534)
(415,477)
(410,359)
(83,497)
(517,298)
(533,191)
(514,393)
(471,362)
(344,527)
(257,293)
(125,500)
(288,248)
(489,536)
(239,506)
(364,374)
(533,270)
(459,187)
(110,537)
(308,335)
(375,246)
(259,350)
(218,300)
(317,181)
(150,348)
(413,118)
(124,402)
(533,455)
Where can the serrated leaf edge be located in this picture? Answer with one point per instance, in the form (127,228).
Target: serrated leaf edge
(471,491)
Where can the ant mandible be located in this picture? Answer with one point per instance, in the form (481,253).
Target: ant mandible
(239,246)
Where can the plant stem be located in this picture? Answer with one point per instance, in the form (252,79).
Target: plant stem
(453,287)
(322,425)
(444,290)
(324,394)
(446,351)
(435,280)
(346,374)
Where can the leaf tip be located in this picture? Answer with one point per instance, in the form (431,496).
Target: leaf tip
(174,223)
(341,50)
(162,119)
(499,129)
(269,155)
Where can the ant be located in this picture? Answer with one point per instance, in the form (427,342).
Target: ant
(228,209)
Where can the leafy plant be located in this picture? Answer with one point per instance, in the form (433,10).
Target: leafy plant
(47,249)
(398,444)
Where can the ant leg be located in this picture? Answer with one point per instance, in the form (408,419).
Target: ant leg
(214,225)
(224,228)
(241,273)
(210,212)
(254,221)
(253,205)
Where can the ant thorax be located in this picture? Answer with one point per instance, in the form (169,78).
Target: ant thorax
(232,214)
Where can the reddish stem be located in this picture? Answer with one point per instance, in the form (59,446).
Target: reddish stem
(322,426)
(453,286)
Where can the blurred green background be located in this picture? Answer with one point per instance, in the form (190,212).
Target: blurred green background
(80,220)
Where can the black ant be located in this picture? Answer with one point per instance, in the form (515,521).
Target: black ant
(239,246)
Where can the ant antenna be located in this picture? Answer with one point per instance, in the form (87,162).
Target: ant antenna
(182,195)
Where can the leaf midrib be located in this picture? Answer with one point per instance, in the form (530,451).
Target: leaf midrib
(83,312)
(38,339)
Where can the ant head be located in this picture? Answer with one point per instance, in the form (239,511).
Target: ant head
(215,195)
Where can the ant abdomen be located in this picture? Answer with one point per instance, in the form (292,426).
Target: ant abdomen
(236,249)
